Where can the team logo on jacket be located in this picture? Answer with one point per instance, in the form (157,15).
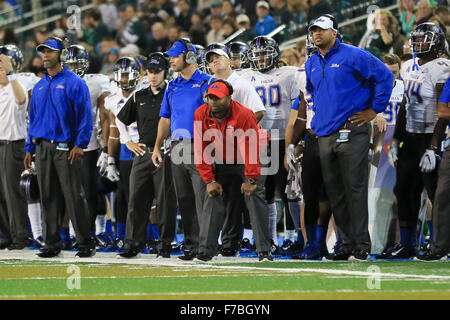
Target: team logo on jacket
(334,65)
(59,86)
(195,86)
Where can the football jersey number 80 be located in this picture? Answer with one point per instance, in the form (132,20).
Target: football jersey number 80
(274,95)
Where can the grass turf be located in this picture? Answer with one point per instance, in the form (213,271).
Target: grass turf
(38,279)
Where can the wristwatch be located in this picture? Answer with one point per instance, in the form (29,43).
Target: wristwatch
(251,181)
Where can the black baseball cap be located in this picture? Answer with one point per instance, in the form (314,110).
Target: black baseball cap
(156,61)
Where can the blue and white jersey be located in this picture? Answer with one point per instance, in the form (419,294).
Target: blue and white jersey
(421,95)
(390,114)
(277,89)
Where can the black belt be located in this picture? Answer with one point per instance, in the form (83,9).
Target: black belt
(5,142)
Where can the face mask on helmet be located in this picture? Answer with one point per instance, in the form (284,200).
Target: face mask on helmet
(77,60)
(126,68)
(263,59)
(12,51)
(427,40)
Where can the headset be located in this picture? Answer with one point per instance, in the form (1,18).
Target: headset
(335,24)
(63,54)
(190,57)
(168,71)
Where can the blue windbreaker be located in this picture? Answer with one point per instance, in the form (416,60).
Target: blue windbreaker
(60,110)
(347,80)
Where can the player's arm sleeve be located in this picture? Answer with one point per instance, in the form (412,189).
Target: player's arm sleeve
(123,131)
(373,70)
(166,109)
(30,147)
(83,109)
(127,114)
(400,125)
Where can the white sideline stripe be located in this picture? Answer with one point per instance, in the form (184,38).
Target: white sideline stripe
(214,293)
(109,258)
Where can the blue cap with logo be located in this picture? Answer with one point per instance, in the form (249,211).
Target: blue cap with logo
(50,43)
(178,48)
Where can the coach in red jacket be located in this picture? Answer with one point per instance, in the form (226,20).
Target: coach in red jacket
(227,141)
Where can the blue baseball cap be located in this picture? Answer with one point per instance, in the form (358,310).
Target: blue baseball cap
(178,48)
(51,43)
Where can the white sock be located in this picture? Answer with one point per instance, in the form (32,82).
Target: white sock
(71,230)
(289,235)
(34,214)
(273,222)
(294,209)
(100,224)
(220,238)
(248,234)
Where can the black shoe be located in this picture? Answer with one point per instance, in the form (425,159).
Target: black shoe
(246,246)
(129,254)
(85,252)
(17,246)
(228,252)
(49,253)
(187,255)
(265,255)
(432,255)
(4,244)
(274,249)
(359,255)
(204,258)
(163,253)
(339,255)
(398,251)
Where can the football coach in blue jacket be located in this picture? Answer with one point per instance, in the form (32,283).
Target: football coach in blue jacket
(349,86)
(61,125)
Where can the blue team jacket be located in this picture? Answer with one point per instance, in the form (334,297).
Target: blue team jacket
(60,110)
(345,81)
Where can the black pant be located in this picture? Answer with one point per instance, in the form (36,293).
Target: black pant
(59,183)
(14,223)
(89,180)
(345,172)
(411,180)
(147,183)
(441,208)
(123,191)
(190,190)
(312,180)
(231,178)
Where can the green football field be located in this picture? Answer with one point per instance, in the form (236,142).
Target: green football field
(22,276)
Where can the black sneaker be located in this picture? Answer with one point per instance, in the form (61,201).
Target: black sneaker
(228,252)
(163,253)
(5,244)
(359,255)
(49,253)
(85,252)
(18,246)
(339,255)
(265,256)
(274,249)
(432,255)
(187,255)
(129,254)
(399,251)
(204,258)
(246,246)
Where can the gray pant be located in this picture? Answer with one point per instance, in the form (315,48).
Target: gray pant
(89,180)
(147,183)
(60,183)
(14,223)
(346,173)
(441,208)
(190,190)
(211,220)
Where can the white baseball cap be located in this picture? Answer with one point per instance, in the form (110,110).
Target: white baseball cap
(242,18)
(262,4)
(220,52)
(324,23)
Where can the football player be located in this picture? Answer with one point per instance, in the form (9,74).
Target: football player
(238,54)
(420,131)
(126,75)
(277,88)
